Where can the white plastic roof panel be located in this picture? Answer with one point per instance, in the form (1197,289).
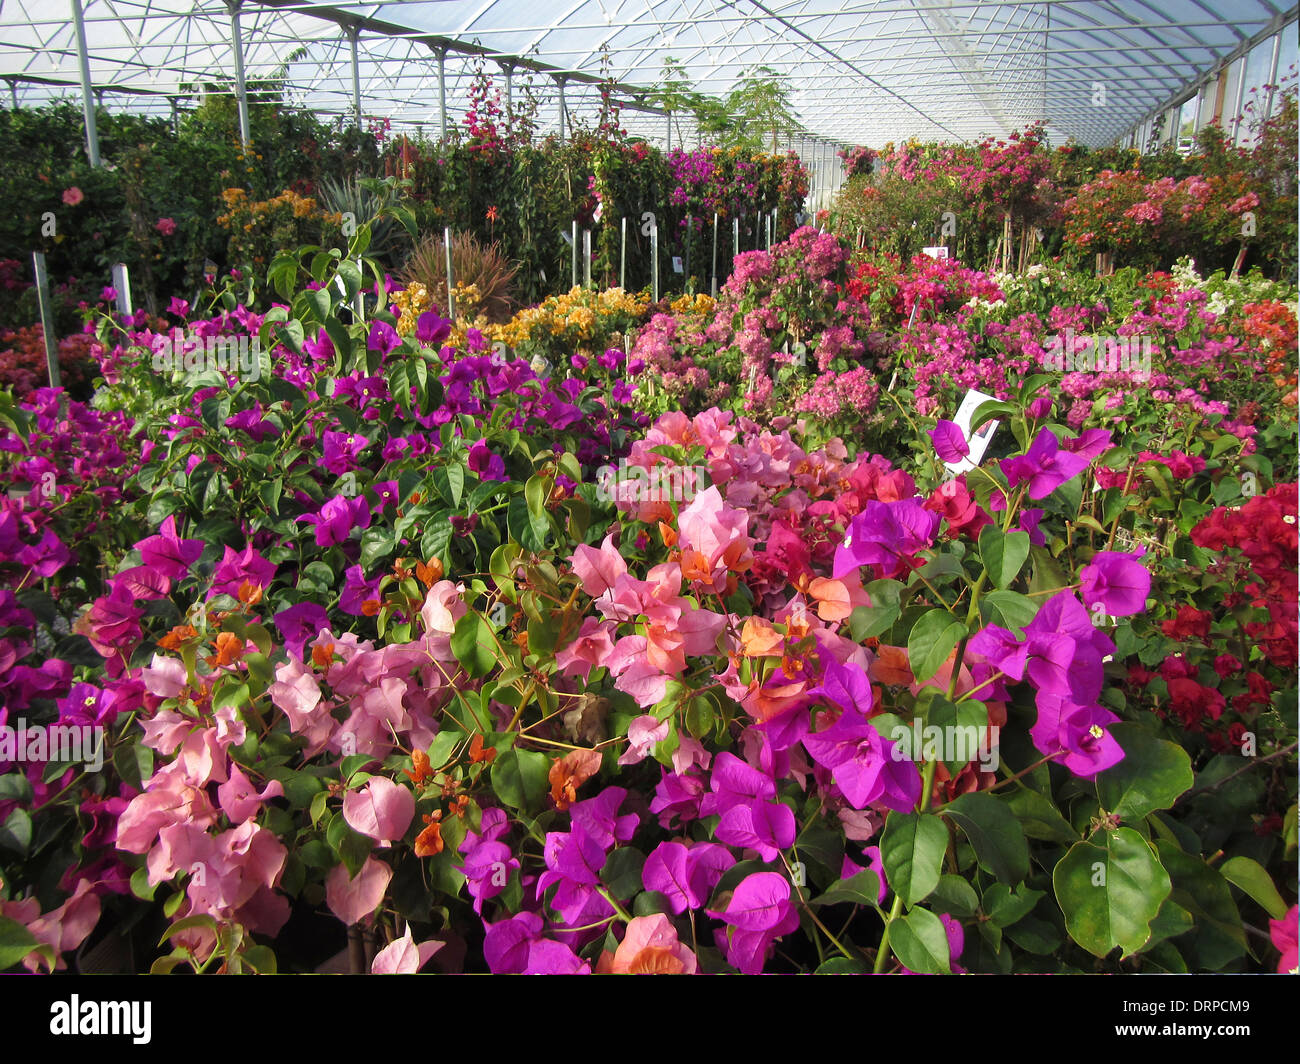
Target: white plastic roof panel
(861,71)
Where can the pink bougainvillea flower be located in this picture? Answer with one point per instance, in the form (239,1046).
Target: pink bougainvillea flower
(949,442)
(714,540)
(598,568)
(403,956)
(62,929)
(381,809)
(591,647)
(166,226)
(72,196)
(240,800)
(642,735)
(650,947)
(353,898)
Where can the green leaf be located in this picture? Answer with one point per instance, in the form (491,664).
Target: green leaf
(1004,906)
(1152,775)
(376,543)
(988,410)
(1198,888)
(954,896)
(862,888)
(1040,819)
(842,966)
(1004,553)
(1016,610)
(931,640)
(912,847)
(134,764)
(519,778)
(920,942)
(140,885)
(16,832)
(1110,893)
(15,942)
(474,644)
(16,786)
(995,834)
(536,492)
(622,872)
(261,959)
(450,482)
(188,922)
(1250,876)
(321,304)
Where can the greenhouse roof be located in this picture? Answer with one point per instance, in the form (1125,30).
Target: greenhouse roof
(861,71)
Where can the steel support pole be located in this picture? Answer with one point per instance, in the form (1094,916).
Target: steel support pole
(560,82)
(87,93)
(241,88)
(1272,77)
(353,34)
(442,91)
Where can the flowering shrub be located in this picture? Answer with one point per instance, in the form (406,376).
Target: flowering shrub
(23,367)
(260,228)
(424,676)
(579,322)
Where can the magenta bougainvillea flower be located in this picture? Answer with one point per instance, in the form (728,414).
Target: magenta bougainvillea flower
(234,570)
(487,465)
(383,338)
(517,947)
(1045,466)
(686,875)
(337,518)
(1078,731)
(887,535)
(301,623)
(1283,935)
(1115,581)
(757,914)
(949,442)
(862,764)
(167,553)
(340,452)
(431,329)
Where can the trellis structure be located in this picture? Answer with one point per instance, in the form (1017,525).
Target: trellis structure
(1139,72)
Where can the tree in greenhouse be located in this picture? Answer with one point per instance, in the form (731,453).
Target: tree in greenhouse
(760,106)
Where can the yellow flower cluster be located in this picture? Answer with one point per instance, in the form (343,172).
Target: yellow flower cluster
(686,304)
(576,315)
(239,206)
(411,302)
